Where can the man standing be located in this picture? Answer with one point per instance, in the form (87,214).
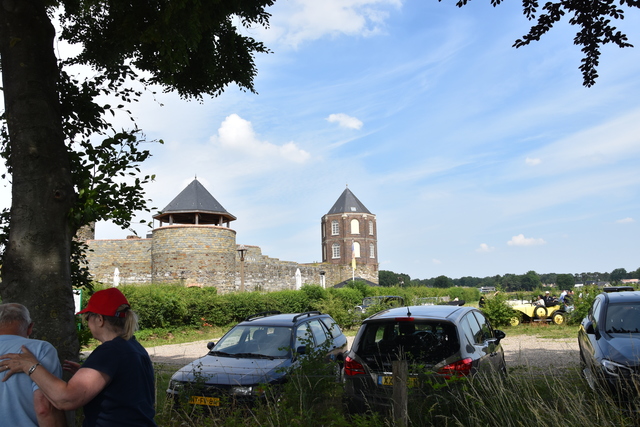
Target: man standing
(21,401)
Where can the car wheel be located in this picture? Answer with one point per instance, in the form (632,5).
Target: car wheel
(540,312)
(514,321)
(559,318)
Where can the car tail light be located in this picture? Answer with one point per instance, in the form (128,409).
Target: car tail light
(404,319)
(457,369)
(352,367)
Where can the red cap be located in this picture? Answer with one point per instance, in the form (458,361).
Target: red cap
(106,302)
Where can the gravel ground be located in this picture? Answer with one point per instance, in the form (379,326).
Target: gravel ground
(519,350)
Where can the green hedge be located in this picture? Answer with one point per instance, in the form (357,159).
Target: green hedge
(175,307)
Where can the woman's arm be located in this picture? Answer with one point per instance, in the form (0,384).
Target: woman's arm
(81,388)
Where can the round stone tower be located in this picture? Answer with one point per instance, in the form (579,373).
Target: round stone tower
(349,232)
(193,244)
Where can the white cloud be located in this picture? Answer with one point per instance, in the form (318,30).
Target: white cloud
(626,220)
(436,261)
(520,240)
(237,134)
(345,121)
(485,248)
(532,161)
(297,21)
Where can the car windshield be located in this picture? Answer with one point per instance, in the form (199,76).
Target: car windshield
(424,341)
(623,318)
(255,341)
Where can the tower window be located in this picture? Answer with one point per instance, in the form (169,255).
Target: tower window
(335,228)
(356,249)
(371,228)
(372,251)
(355,226)
(335,249)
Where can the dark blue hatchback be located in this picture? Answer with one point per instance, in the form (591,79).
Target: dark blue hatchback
(609,339)
(256,352)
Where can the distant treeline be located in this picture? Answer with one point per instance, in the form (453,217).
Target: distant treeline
(509,282)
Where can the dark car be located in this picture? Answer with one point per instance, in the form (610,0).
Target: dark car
(443,341)
(255,353)
(609,339)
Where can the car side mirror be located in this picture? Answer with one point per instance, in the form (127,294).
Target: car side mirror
(302,349)
(589,328)
(210,345)
(499,335)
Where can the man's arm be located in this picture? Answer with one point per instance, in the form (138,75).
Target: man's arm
(47,414)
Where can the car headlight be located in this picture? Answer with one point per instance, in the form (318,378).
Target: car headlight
(242,390)
(257,390)
(615,369)
(175,386)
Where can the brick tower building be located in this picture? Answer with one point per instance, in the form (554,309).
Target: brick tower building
(349,231)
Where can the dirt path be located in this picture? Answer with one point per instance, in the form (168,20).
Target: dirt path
(520,350)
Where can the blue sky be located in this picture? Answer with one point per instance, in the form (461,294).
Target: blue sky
(477,158)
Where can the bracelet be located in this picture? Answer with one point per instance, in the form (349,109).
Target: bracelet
(33,368)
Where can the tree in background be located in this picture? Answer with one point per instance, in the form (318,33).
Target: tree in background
(565,281)
(617,275)
(468,281)
(442,282)
(530,281)
(187,46)
(511,282)
(389,279)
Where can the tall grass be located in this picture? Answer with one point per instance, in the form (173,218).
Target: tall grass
(526,397)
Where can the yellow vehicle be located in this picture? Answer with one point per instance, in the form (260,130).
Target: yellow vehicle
(532,312)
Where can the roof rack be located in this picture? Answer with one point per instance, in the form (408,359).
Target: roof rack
(306,313)
(262,314)
(617,288)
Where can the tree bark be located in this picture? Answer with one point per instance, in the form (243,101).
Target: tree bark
(36,268)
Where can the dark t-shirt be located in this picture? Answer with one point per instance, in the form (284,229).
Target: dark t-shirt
(128,399)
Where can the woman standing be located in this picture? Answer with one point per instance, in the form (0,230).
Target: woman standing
(116,382)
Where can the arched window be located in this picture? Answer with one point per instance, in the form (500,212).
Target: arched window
(356,249)
(372,251)
(371,228)
(335,228)
(355,226)
(335,250)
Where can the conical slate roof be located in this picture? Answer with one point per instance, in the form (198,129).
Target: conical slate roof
(348,203)
(194,201)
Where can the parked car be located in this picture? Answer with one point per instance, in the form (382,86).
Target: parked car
(383,300)
(445,341)
(256,352)
(609,340)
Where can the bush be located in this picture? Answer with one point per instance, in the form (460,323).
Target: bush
(498,311)
(157,306)
(582,302)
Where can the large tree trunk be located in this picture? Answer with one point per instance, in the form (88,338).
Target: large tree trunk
(36,269)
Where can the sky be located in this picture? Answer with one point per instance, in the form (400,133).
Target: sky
(477,158)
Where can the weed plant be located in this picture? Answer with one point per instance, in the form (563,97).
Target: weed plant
(526,397)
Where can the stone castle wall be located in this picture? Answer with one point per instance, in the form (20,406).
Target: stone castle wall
(132,257)
(200,255)
(157,260)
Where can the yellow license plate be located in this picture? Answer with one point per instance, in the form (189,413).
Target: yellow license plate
(202,400)
(388,380)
